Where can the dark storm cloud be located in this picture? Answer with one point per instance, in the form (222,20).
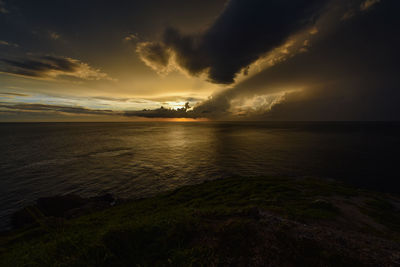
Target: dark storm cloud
(349,73)
(23,107)
(50,67)
(241,34)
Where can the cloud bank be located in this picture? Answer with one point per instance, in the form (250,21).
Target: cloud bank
(51,67)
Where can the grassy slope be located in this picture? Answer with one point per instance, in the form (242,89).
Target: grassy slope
(238,221)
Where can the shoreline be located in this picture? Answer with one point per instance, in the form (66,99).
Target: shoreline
(256,215)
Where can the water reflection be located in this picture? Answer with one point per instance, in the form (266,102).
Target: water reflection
(139,159)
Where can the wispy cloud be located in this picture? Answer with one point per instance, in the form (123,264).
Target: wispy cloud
(51,68)
(131,37)
(175,98)
(368,3)
(8,43)
(11,94)
(26,107)
(156,56)
(54,35)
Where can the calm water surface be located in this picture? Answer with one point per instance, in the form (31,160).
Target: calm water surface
(141,159)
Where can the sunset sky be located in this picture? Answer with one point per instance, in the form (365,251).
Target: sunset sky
(98,60)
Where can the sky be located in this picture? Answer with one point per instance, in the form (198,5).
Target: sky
(286,60)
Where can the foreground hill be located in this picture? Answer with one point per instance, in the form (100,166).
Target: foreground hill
(227,222)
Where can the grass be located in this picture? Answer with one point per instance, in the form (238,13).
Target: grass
(383,212)
(217,223)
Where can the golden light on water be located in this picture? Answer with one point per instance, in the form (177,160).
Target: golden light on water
(183,119)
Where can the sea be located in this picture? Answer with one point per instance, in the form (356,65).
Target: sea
(140,159)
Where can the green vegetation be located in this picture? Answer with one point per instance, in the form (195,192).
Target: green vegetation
(227,222)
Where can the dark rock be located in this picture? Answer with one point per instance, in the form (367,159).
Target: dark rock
(61,207)
(104,198)
(23,217)
(57,206)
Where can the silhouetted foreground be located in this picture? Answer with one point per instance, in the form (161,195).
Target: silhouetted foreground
(227,222)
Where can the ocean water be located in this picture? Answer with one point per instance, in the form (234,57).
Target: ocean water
(133,160)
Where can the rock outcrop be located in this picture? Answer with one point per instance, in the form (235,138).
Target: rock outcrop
(62,207)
